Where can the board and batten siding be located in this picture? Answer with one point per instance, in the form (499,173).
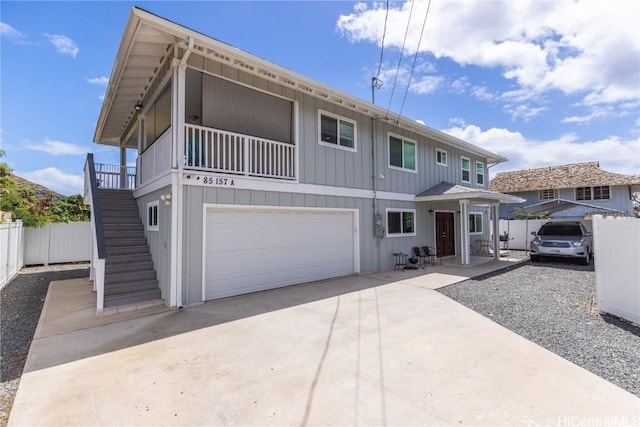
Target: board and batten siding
(326,165)
(159,241)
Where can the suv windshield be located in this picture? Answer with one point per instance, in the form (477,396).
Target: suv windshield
(560,230)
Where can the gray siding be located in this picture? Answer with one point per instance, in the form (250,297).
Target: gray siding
(159,241)
(323,165)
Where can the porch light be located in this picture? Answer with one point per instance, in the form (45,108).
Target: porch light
(166,198)
(138,106)
(431,211)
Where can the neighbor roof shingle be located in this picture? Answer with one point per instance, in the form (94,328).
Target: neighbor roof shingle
(563,176)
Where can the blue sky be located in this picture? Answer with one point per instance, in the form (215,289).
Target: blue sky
(542,83)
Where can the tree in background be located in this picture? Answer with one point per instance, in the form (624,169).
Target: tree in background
(37,211)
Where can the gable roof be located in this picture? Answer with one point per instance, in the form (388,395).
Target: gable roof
(556,177)
(450,192)
(147,47)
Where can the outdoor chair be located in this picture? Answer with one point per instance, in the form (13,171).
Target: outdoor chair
(421,255)
(430,255)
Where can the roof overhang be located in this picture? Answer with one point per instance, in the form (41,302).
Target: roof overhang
(556,205)
(148,40)
(453,192)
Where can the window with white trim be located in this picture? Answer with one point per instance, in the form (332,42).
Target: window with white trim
(480,173)
(593,193)
(402,153)
(475,223)
(441,157)
(152,216)
(548,194)
(401,222)
(336,131)
(465,165)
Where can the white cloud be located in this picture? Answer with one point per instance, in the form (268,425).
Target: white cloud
(57,180)
(101,81)
(8,31)
(58,148)
(63,44)
(577,47)
(614,154)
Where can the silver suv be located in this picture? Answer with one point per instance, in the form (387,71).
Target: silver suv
(562,239)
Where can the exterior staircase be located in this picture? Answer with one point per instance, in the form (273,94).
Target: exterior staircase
(129,274)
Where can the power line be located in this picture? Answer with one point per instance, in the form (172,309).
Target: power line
(376,83)
(415,57)
(400,59)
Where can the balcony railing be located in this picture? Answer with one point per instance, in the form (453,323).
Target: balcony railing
(213,150)
(115,176)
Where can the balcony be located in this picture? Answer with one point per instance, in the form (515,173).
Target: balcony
(213,150)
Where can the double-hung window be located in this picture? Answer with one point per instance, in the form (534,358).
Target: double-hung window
(401,222)
(337,131)
(441,157)
(152,216)
(480,173)
(465,165)
(402,153)
(475,223)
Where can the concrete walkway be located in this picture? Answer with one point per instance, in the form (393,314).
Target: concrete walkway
(380,349)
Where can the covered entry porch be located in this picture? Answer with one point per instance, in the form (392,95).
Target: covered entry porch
(466,198)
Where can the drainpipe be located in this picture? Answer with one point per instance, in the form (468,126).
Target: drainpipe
(178,183)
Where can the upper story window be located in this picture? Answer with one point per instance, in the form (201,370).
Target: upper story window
(337,131)
(548,194)
(152,216)
(401,222)
(475,223)
(593,193)
(402,153)
(480,173)
(441,157)
(465,165)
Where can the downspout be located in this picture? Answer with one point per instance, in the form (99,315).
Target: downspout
(177,182)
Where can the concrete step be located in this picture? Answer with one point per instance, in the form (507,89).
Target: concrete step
(131,297)
(126,279)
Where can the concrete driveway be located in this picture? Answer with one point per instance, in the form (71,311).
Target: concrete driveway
(382,349)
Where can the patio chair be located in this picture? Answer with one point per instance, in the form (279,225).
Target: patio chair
(431,255)
(421,255)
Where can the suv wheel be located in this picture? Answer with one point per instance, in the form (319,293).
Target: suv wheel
(587,258)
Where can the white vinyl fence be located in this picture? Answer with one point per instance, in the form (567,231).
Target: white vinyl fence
(11,250)
(617,243)
(57,243)
(519,231)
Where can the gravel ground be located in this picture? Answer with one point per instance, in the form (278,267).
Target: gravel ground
(21,302)
(553,304)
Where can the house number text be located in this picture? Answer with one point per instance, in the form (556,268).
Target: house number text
(218,181)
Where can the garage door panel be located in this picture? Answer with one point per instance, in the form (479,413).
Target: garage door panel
(250,250)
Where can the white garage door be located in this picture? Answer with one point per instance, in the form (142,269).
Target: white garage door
(248,250)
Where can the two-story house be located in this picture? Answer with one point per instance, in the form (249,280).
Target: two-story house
(250,176)
(573,191)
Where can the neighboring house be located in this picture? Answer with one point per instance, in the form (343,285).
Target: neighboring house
(578,190)
(250,176)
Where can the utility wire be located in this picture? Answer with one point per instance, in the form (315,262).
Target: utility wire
(415,57)
(384,33)
(400,59)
